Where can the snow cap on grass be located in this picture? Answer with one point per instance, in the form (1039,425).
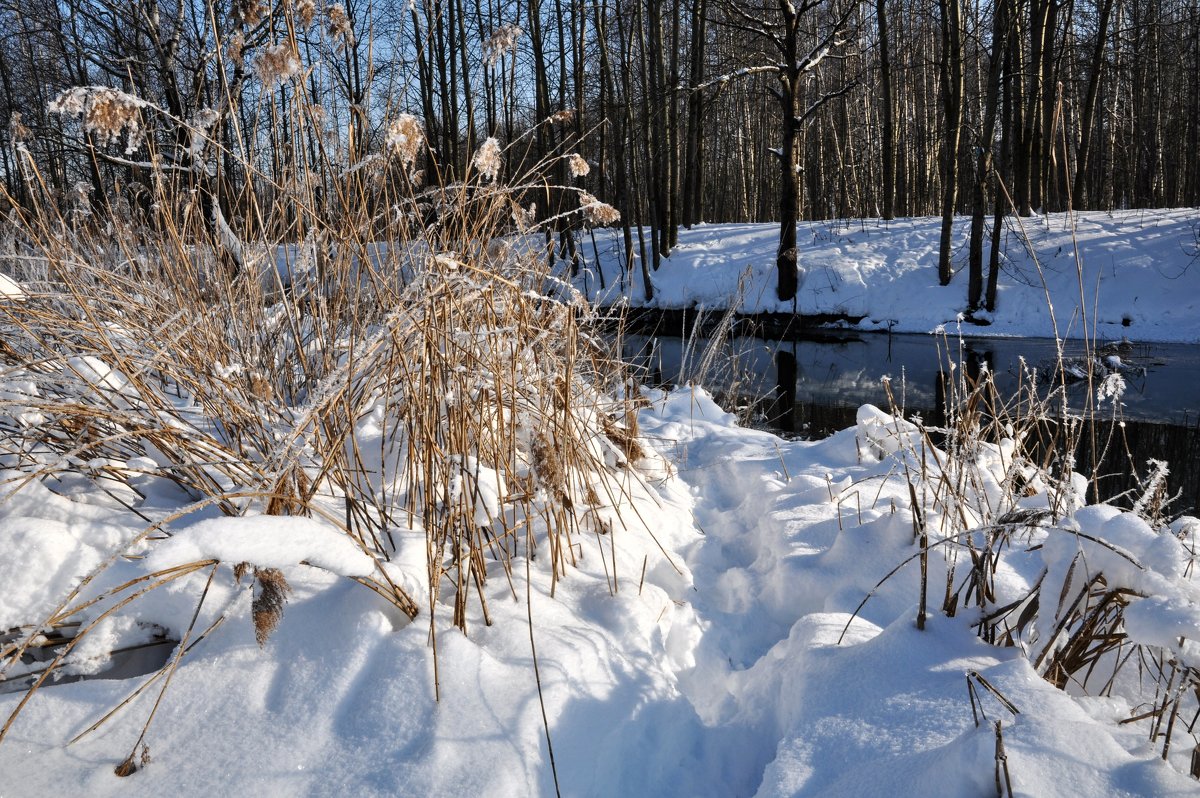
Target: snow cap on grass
(16,389)
(267,541)
(98,374)
(1132,556)
(42,561)
(1123,547)
(883,434)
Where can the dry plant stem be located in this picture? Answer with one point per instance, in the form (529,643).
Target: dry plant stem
(149,682)
(924,551)
(170,672)
(173,574)
(537,675)
(1003,779)
(65,610)
(923,538)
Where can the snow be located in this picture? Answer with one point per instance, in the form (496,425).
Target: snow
(52,560)
(100,375)
(742,621)
(59,543)
(266,541)
(1136,268)
(11,290)
(734,667)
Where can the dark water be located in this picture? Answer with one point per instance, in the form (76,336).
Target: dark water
(812,388)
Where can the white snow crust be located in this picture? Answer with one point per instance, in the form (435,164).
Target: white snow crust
(1137,269)
(733,667)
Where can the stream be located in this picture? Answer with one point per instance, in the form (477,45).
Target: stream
(811,388)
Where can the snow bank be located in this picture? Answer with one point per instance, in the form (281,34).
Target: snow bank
(1137,269)
(722,656)
(43,560)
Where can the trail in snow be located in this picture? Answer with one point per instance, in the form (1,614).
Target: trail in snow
(778,570)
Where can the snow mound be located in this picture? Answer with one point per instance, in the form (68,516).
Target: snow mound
(267,541)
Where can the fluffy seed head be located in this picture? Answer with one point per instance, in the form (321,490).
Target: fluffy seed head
(487,159)
(235,48)
(523,217)
(270,596)
(503,40)
(277,64)
(577,165)
(597,213)
(306,11)
(201,123)
(251,12)
(106,113)
(337,24)
(16,128)
(405,137)
(80,197)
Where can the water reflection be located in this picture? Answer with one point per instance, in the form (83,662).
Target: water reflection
(782,413)
(813,388)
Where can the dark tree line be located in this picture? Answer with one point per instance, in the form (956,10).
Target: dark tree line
(686,110)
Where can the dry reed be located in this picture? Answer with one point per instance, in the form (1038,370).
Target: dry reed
(352,346)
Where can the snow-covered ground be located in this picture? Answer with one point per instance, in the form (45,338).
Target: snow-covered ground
(741,621)
(727,663)
(1136,273)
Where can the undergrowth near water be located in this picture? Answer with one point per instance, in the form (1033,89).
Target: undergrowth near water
(1111,602)
(394,361)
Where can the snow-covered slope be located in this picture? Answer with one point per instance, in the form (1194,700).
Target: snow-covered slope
(1137,274)
(727,663)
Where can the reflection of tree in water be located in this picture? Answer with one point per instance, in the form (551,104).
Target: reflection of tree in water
(792,408)
(1123,450)
(781,414)
(802,417)
(975,363)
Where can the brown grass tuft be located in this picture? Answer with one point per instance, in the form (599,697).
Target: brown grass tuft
(270,597)
(416,367)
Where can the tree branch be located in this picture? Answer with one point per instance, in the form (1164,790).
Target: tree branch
(737,73)
(812,109)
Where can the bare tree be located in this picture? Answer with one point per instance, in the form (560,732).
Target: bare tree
(786,33)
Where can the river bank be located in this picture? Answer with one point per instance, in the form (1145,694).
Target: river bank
(1087,275)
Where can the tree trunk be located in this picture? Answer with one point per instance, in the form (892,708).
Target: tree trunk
(952,94)
(693,174)
(888,189)
(1079,193)
(789,89)
(983,150)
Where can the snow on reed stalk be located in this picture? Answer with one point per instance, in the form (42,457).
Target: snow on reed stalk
(424,390)
(992,488)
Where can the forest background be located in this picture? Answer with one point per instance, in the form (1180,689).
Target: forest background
(689,111)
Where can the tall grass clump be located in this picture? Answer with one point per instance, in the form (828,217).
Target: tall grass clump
(1098,591)
(1012,524)
(366,339)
